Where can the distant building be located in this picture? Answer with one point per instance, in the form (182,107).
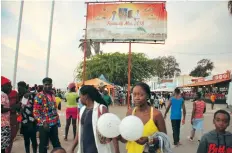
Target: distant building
(183,80)
(153,83)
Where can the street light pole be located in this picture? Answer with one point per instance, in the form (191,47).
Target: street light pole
(49,38)
(17,44)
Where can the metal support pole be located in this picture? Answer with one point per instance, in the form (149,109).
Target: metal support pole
(84,64)
(17,44)
(129,77)
(85,49)
(50,38)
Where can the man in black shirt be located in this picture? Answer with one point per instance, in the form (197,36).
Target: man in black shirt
(28,128)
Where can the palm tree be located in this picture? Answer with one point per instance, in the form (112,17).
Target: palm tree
(90,44)
(230,7)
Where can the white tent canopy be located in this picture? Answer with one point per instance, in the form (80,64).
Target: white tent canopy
(164,90)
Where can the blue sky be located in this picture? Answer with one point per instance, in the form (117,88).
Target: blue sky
(196,30)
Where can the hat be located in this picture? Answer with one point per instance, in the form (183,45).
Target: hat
(4,80)
(71,85)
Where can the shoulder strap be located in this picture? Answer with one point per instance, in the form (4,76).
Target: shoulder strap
(133,112)
(151,115)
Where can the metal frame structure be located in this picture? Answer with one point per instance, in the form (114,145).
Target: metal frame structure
(129,42)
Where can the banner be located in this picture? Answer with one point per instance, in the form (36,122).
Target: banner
(127,22)
(221,76)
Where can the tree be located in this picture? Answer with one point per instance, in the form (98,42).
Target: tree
(115,69)
(90,44)
(166,67)
(230,7)
(171,67)
(158,65)
(203,69)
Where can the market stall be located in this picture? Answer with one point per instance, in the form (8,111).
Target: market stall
(218,85)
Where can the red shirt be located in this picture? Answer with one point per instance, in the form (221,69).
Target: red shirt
(199,108)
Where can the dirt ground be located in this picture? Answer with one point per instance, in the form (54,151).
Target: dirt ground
(190,147)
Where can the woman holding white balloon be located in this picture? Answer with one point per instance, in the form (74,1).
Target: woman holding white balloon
(88,139)
(151,118)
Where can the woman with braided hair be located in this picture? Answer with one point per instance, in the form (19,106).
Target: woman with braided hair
(88,138)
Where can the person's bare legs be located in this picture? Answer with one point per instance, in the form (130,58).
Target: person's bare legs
(74,123)
(68,122)
(200,134)
(192,133)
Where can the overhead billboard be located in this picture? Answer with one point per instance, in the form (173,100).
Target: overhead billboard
(127,21)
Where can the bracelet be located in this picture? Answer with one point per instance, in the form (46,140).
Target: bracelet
(150,139)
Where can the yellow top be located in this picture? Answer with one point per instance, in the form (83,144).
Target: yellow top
(149,129)
(58,101)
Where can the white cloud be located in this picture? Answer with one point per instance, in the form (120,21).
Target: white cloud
(191,28)
(28,48)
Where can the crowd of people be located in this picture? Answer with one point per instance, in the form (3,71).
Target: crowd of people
(38,111)
(206,94)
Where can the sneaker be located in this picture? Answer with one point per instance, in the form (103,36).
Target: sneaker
(189,138)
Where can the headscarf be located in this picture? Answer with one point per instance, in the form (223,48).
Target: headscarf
(4,80)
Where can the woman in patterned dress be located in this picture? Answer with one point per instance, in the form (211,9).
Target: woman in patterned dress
(5,114)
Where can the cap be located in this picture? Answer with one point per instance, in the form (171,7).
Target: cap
(71,85)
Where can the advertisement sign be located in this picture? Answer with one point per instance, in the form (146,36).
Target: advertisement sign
(221,76)
(200,80)
(127,21)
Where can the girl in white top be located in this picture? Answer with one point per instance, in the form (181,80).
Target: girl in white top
(88,139)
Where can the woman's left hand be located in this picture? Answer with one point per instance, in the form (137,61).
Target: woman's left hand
(142,140)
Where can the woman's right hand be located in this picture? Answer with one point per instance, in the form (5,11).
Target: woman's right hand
(120,138)
(142,140)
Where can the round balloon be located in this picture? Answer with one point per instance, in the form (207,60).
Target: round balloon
(108,125)
(131,128)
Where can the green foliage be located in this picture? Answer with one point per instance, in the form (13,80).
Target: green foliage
(114,66)
(166,67)
(96,46)
(203,68)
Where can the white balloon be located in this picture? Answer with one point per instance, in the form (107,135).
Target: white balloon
(108,125)
(131,128)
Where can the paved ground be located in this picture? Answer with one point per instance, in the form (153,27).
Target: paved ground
(187,146)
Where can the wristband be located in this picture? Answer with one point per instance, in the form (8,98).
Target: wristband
(150,139)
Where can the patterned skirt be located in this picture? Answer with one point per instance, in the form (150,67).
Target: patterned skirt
(5,137)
